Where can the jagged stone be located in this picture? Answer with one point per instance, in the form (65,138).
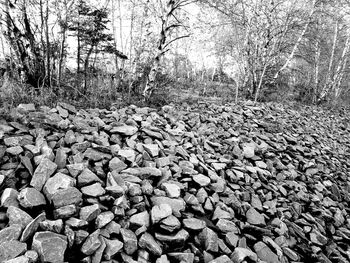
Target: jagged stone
(50,246)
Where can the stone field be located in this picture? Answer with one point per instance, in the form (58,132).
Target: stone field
(202,183)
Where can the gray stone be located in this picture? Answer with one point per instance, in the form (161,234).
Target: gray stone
(52,225)
(10,233)
(172,190)
(255,218)
(26,107)
(76,223)
(97,256)
(32,227)
(17,216)
(11,249)
(9,198)
(87,177)
(194,224)
(144,172)
(151,149)
(89,213)
(130,241)
(75,169)
(50,246)
(177,205)
(103,219)
(42,173)
(170,224)
(93,190)
(124,130)
(209,240)
(201,179)
(240,254)
(148,242)
(160,212)
(91,244)
(65,211)
(179,238)
(231,239)
(32,256)
(21,259)
(222,259)
(117,165)
(265,253)
(112,248)
(140,219)
(30,198)
(227,226)
(57,182)
(66,197)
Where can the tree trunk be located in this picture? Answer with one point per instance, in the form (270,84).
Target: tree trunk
(296,45)
(86,68)
(47,38)
(317,71)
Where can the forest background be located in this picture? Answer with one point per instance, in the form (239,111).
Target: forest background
(99,53)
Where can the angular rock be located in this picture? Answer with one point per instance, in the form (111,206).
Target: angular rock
(177,205)
(17,216)
(50,246)
(11,249)
(10,233)
(30,198)
(265,253)
(148,242)
(130,241)
(160,211)
(93,190)
(112,248)
(42,173)
(66,197)
(91,244)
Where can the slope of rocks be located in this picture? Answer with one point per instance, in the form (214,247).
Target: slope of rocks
(233,183)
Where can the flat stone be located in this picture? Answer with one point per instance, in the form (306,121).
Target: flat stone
(177,205)
(92,243)
(128,154)
(194,224)
(103,219)
(66,197)
(172,190)
(255,218)
(65,211)
(124,130)
(42,173)
(52,225)
(222,259)
(93,190)
(130,241)
(231,239)
(160,212)
(144,172)
(50,246)
(112,248)
(89,213)
(15,150)
(318,239)
(163,161)
(30,198)
(97,256)
(240,254)
(201,179)
(209,240)
(87,177)
(151,149)
(76,223)
(32,256)
(9,198)
(140,219)
(26,107)
(249,150)
(10,233)
(11,249)
(148,242)
(178,238)
(227,226)
(75,169)
(21,259)
(265,253)
(117,165)
(17,216)
(170,224)
(32,227)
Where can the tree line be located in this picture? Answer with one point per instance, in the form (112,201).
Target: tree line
(288,47)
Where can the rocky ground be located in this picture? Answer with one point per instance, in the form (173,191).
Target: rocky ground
(206,183)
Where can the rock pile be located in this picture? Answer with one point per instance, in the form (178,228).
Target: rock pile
(217,184)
